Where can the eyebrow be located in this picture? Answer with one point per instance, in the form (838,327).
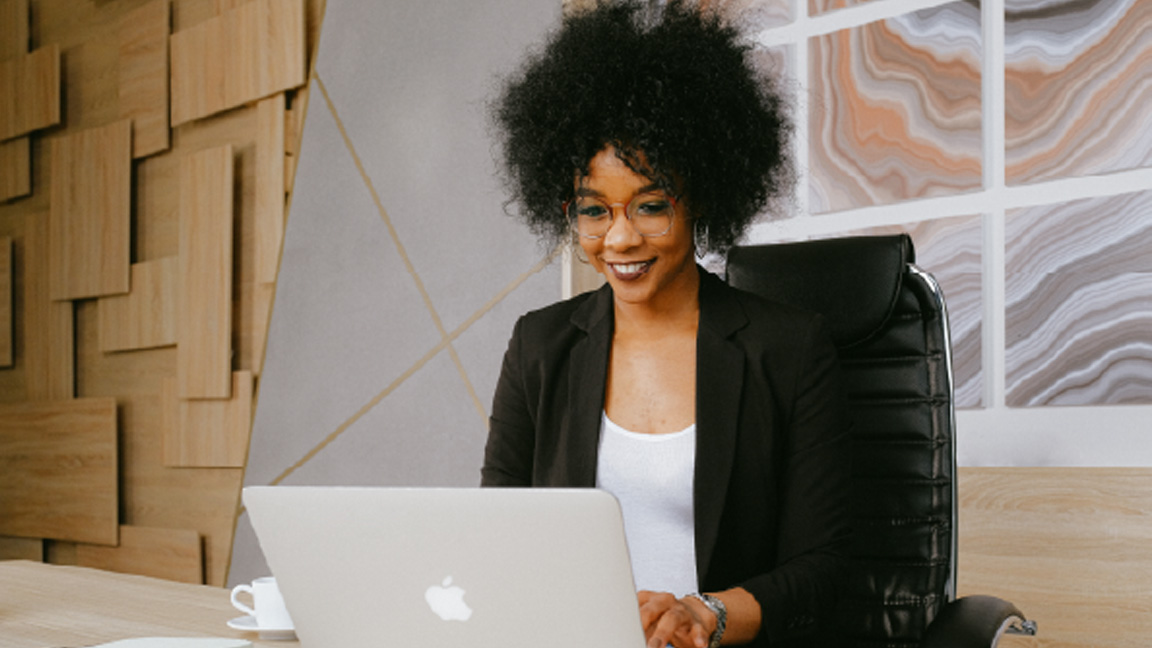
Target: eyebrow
(585,191)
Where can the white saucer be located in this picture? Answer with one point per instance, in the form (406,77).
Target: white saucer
(248,624)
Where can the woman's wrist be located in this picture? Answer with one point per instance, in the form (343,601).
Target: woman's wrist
(712,612)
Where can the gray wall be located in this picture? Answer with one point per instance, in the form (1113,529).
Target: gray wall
(401,275)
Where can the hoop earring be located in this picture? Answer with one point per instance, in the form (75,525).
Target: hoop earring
(700,237)
(577,250)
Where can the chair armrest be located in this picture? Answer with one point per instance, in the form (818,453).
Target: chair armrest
(975,622)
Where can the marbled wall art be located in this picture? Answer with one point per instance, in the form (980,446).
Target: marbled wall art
(1078,87)
(817,7)
(951,249)
(1079,302)
(896,109)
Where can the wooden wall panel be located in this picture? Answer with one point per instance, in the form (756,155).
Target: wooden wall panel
(21,549)
(90,217)
(143,75)
(252,51)
(153,495)
(255,311)
(146,317)
(204,322)
(30,92)
(13,28)
(15,154)
(269,186)
(172,554)
(49,345)
(208,433)
(1072,547)
(58,347)
(90,70)
(293,128)
(15,168)
(6,312)
(223,6)
(75,443)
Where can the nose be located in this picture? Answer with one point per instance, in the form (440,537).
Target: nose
(621,235)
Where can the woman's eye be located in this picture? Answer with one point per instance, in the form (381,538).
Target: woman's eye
(591,211)
(654,207)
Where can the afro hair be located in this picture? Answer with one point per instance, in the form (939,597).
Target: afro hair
(674,89)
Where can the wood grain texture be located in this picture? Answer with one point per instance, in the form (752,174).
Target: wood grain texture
(30,92)
(90,218)
(255,314)
(21,549)
(204,324)
(208,433)
(252,51)
(15,154)
(156,217)
(53,605)
(171,554)
(91,75)
(143,75)
(269,186)
(1072,547)
(13,28)
(15,168)
(153,495)
(58,470)
(6,310)
(146,317)
(224,6)
(49,344)
(293,131)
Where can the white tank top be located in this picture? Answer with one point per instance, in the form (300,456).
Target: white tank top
(651,475)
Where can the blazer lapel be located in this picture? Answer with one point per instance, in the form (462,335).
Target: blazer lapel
(587,377)
(719,382)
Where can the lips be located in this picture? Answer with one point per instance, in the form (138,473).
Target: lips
(630,271)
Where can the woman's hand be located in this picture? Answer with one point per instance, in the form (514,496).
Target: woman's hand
(682,623)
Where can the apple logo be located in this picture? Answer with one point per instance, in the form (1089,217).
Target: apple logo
(447,601)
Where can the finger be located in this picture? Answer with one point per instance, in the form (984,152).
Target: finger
(653,605)
(690,633)
(699,636)
(673,627)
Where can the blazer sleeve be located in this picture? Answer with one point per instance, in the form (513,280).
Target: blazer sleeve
(813,515)
(509,451)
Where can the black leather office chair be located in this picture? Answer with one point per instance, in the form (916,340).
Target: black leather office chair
(889,322)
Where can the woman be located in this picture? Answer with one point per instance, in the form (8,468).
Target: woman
(712,415)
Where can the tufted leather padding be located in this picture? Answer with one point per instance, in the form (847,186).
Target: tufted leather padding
(853,282)
(890,327)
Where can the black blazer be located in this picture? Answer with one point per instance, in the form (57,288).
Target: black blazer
(772,456)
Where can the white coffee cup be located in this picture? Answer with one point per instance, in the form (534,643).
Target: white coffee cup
(268,607)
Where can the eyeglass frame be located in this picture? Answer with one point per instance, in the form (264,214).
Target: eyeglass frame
(576,228)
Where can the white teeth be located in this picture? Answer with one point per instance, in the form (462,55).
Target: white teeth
(628,268)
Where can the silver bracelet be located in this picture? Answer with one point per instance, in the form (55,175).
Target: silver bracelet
(717,607)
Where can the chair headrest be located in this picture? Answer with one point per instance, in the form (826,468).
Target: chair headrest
(853,282)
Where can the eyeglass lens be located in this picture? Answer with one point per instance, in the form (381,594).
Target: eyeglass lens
(650,214)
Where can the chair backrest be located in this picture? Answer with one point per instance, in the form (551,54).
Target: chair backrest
(890,324)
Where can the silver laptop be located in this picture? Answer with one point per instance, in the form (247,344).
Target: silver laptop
(452,568)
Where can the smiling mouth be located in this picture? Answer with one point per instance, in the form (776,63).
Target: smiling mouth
(630,271)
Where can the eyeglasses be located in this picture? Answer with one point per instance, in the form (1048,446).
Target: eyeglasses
(650,214)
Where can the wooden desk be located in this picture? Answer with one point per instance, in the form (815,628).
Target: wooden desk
(50,606)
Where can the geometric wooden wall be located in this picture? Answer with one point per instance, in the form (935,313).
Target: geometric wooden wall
(5,301)
(58,470)
(204,311)
(89,229)
(15,153)
(137,240)
(250,52)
